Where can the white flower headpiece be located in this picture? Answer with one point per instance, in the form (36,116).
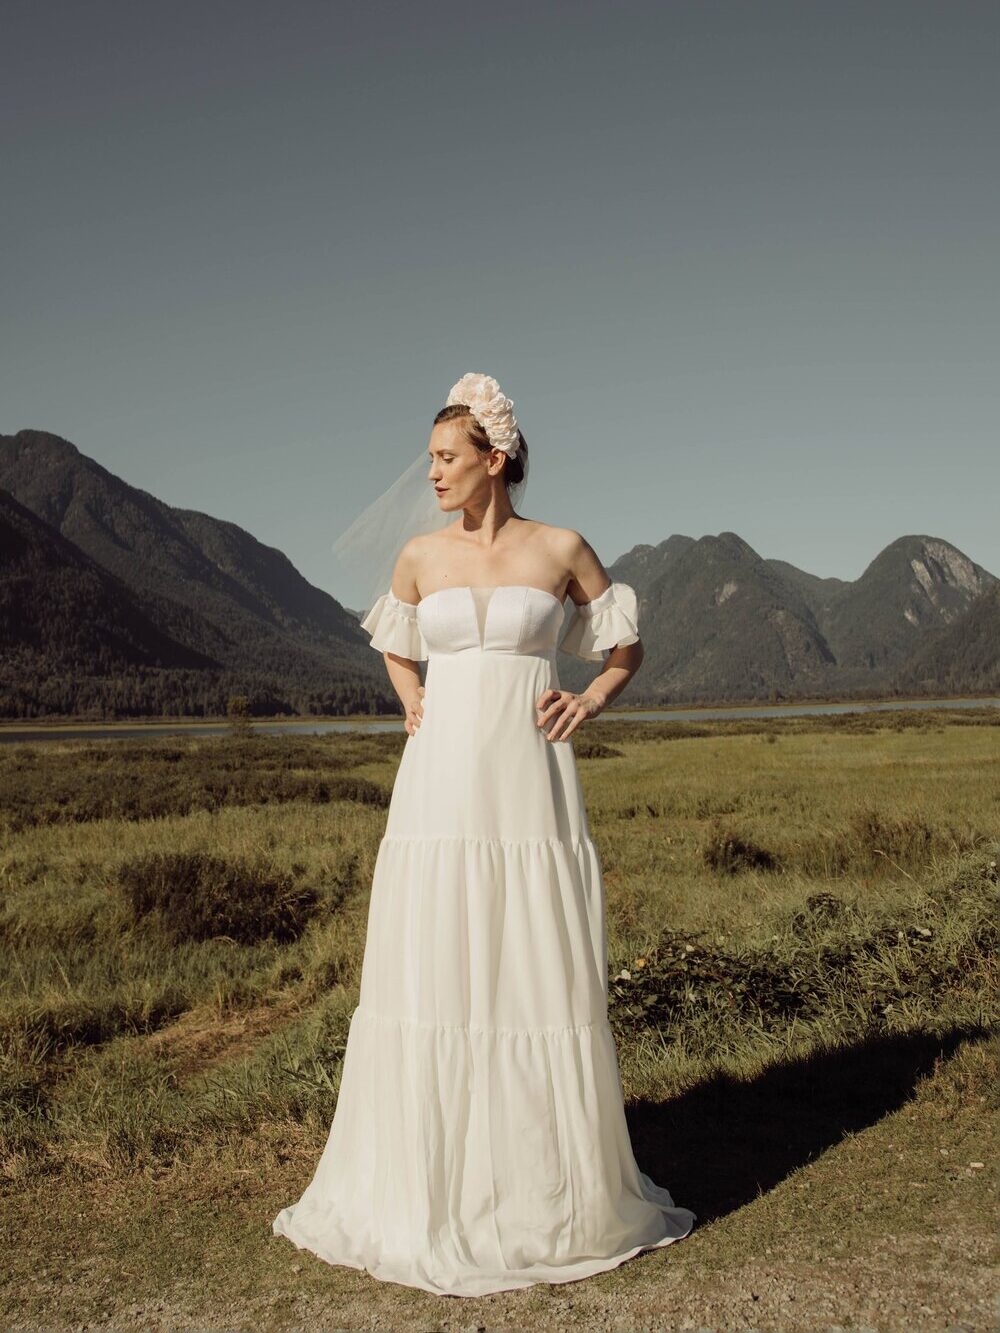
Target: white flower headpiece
(495,413)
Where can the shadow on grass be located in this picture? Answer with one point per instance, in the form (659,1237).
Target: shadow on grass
(718,1146)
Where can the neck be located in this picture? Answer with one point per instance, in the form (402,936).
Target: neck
(487,521)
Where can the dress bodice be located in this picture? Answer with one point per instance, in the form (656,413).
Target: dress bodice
(505,618)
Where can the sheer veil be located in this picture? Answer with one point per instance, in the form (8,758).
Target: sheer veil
(367,550)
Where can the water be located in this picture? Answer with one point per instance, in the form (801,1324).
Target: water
(11,733)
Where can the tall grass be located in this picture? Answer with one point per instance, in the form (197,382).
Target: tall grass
(182,923)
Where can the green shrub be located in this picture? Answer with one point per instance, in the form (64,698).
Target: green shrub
(730,853)
(196,896)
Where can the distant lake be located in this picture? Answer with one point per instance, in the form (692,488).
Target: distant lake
(13,733)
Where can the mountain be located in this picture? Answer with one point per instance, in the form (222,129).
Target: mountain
(67,627)
(115,603)
(208,586)
(915,585)
(58,603)
(722,623)
(960,657)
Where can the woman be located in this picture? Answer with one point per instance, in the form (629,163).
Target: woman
(479,1141)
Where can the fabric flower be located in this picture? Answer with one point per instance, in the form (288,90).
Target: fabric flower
(495,413)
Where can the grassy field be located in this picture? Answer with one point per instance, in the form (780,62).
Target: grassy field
(803,970)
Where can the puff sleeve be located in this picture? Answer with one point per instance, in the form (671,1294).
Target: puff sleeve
(597,626)
(392,624)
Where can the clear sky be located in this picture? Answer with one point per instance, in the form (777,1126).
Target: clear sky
(737,264)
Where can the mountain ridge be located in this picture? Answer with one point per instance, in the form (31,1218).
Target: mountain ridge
(719,621)
(207,583)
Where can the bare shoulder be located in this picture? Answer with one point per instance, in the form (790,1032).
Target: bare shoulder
(417,548)
(410,561)
(425,546)
(569,550)
(587,576)
(416,556)
(563,545)
(572,549)
(408,557)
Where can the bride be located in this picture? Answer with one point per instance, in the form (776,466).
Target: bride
(479,1140)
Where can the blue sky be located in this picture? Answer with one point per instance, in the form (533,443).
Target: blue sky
(736,264)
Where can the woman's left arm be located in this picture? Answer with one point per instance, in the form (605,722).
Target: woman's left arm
(571,709)
(589,579)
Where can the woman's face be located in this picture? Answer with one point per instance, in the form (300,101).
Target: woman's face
(457,468)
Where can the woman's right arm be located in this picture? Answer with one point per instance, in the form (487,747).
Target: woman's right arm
(404,673)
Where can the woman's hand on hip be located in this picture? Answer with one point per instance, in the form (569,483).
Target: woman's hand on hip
(414,711)
(568,710)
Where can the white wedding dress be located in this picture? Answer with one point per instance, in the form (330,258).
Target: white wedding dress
(479,1141)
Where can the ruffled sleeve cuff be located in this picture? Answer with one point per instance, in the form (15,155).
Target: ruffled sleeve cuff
(392,624)
(607,621)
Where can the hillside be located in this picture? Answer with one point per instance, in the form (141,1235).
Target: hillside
(117,604)
(227,602)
